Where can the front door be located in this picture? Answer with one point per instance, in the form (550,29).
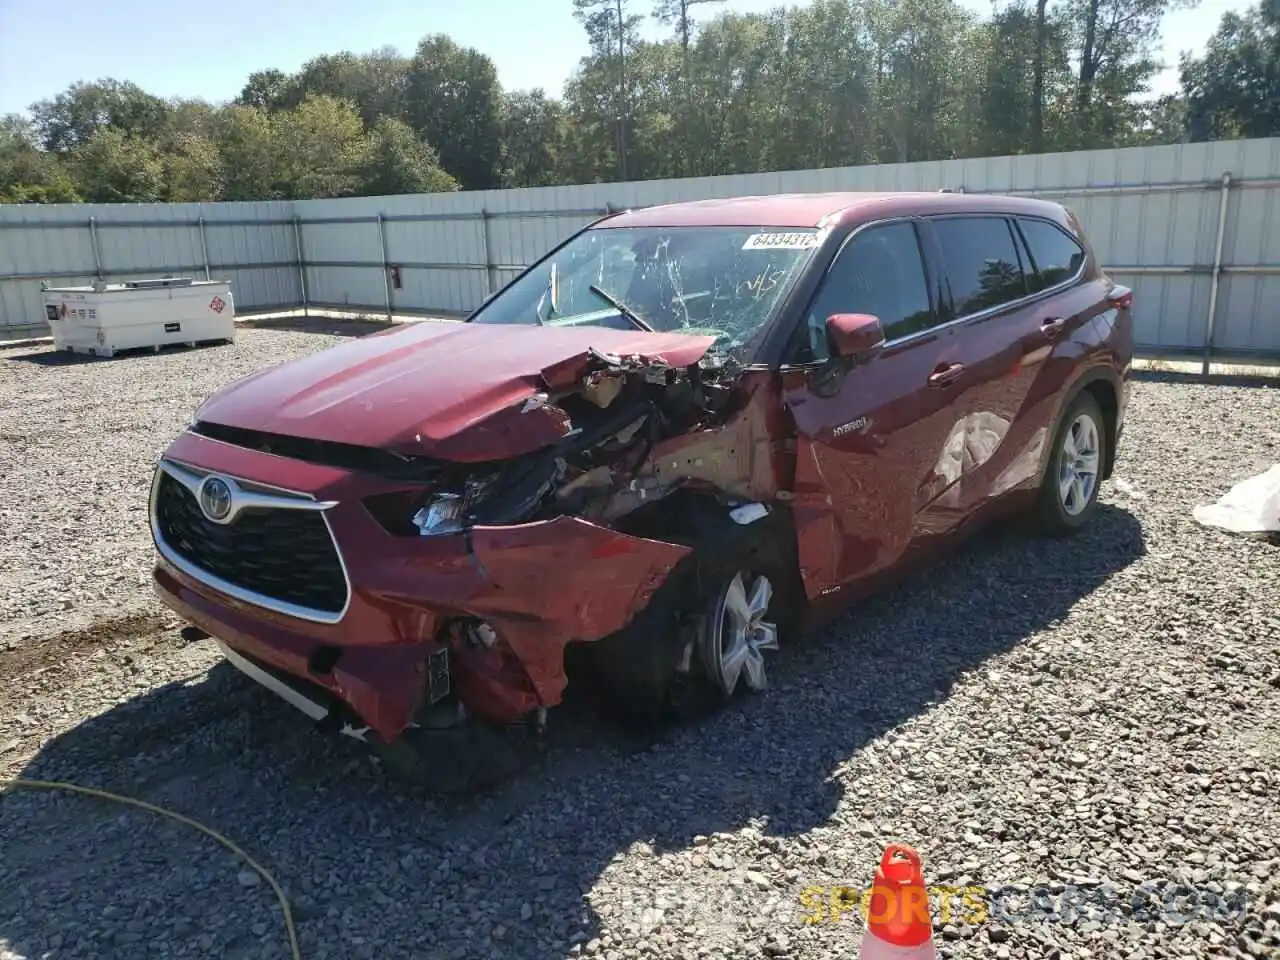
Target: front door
(872,456)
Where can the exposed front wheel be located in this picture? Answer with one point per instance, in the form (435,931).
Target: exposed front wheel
(1069,493)
(736,632)
(709,634)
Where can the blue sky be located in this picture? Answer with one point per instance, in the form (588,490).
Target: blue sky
(207,49)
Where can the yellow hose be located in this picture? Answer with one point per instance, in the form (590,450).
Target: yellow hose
(6,785)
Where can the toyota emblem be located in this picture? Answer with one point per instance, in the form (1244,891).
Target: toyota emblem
(215,499)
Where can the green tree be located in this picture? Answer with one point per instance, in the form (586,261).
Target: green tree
(828,77)
(193,169)
(27,173)
(454,101)
(116,167)
(252,167)
(75,115)
(322,149)
(398,162)
(196,117)
(1027,68)
(613,31)
(825,83)
(740,88)
(924,77)
(1164,120)
(375,82)
(1114,45)
(592,151)
(264,90)
(678,14)
(188,145)
(1233,90)
(533,135)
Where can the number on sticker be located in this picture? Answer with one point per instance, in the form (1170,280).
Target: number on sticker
(780,241)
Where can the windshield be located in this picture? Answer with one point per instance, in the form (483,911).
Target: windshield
(722,281)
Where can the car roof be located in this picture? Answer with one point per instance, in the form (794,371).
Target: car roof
(823,209)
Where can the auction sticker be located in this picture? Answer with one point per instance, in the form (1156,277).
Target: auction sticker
(781,241)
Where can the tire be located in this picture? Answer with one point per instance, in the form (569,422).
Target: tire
(659,669)
(1068,495)
(474,757)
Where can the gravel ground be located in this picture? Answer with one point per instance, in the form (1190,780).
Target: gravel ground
(1096,720)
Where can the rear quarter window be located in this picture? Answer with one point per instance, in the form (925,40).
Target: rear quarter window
(1056,257)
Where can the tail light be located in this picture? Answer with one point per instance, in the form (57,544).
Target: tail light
(1121,298)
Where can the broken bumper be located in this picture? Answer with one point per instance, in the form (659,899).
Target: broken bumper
(394,648)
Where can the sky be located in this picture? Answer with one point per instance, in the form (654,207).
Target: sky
(207,49)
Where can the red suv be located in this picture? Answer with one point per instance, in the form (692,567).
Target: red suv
(679,438)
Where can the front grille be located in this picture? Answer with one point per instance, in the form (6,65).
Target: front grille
(284,555)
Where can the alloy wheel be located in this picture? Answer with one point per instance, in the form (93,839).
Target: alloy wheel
(736,633)
(1078,464)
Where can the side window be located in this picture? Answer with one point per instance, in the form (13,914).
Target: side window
(981,261)
(880,272)
(1056,256)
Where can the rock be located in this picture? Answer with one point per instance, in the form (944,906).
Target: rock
(1029,711)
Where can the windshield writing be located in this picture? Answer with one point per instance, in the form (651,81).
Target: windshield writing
(723,281)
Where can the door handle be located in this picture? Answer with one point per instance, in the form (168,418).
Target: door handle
(1053,326)
(945,374)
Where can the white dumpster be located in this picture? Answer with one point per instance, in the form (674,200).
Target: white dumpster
(106,317)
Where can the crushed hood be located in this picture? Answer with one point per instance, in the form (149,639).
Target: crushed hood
(415,388)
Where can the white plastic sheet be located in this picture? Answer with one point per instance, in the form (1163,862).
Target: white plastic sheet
(1251,506)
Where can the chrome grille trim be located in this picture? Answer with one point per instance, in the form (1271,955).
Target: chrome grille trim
(254,494)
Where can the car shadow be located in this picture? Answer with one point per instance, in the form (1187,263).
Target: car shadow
(332,326)
(503,873)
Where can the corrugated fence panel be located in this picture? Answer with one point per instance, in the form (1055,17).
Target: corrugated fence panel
(356,288)
(1248,313)
(1169,229)
(254,245)
(62,254)
(335,250)
(1152,215)
(249,243)
(149,249)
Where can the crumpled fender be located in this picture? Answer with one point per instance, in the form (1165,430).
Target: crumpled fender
(557,581)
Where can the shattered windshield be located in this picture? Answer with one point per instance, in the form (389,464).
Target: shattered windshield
(722,281)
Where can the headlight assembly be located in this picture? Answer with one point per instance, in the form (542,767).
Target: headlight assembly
(441,515)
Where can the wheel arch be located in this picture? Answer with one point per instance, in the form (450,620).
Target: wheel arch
(1103,384)
(638,662)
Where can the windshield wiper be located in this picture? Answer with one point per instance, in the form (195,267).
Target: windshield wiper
(622,308)
(553,292)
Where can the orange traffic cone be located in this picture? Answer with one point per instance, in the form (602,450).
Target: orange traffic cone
(898,916)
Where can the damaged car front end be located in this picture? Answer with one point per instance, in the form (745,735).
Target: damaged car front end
(429,521)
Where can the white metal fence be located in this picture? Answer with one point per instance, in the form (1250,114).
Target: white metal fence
(1193,228)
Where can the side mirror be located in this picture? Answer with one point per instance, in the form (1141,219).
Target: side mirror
(854,334)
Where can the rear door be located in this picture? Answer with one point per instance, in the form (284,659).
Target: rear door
(985,276)
(1004,277)
(870,437)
